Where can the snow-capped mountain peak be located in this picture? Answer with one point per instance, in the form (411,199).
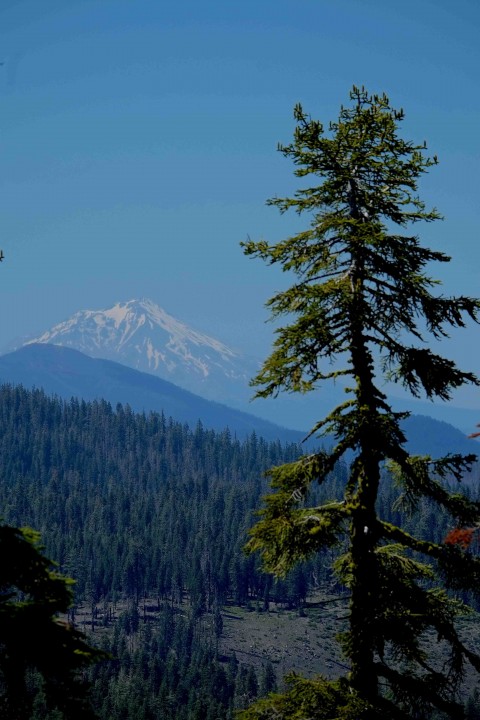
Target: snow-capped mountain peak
(142,335)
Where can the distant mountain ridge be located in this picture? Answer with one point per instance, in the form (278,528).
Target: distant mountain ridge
(142,335)
(68,373)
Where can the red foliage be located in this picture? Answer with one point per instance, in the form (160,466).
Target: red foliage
(460,536)
(475,434)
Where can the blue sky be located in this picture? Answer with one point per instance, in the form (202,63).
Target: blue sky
(138,146)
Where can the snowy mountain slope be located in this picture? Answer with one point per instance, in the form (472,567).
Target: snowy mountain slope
(140,334)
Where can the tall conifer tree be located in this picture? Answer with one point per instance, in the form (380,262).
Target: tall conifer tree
(361,310)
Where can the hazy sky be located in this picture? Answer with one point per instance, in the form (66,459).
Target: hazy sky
(138,145)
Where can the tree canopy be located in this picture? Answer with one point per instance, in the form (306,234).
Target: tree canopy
(32,637)
(363,309)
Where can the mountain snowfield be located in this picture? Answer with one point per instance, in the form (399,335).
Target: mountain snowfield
(140,334)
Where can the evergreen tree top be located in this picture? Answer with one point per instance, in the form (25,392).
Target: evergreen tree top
(351,262)
(363,307)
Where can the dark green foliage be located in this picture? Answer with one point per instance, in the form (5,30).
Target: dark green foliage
(268,681)
(130,505)
(472,707)
(133,505)
(361,309)
(137,507)
(169,668)
(37,649)
(316,700)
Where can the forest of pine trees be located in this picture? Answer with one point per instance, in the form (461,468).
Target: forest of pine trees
(150,518)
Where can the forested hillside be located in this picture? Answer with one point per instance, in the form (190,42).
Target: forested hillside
(130,504)
(144,513)
(150,517)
